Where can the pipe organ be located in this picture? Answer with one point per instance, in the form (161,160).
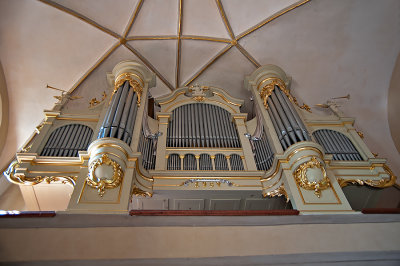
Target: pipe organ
(201,142)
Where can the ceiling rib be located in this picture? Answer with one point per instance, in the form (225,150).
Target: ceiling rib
(146,38)
(81,17)
(132,19)
(149,65)
(209,63)
(179,44)
(205,38)
(101,60)
(223,16)
(271,18)
(247,55)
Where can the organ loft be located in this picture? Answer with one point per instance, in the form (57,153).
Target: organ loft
(195,149)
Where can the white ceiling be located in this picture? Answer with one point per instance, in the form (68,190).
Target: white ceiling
(330,48)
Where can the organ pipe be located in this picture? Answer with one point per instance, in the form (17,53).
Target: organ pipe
(337,144)
(202,125)
(119,120)
(67,141)
(287,122)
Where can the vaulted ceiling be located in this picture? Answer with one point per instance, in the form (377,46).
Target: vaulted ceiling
(330,48)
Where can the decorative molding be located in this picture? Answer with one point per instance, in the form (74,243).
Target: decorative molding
(303,180)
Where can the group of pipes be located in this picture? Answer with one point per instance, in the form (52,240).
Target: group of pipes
(119,120)
(67,141)
(202,125)
(147,148)
(263,154)
(287,123)
(337,144)
(236,163)
(205,162)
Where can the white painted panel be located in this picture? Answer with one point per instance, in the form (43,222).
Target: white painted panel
(113,15)
(196,54)
(201,17)
(188,204)
(156,17)
(161,54)
(224,204)
(245,14)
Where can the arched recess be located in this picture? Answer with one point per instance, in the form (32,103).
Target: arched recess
(202,125)
(337,144)
(67,141)
(174,162)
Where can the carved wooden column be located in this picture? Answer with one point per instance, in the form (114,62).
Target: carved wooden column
(163,119)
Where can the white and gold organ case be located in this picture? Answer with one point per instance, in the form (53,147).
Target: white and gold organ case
(198,151)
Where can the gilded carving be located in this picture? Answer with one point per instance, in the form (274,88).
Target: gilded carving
(199,98)
(101,183)
(94,102)
(306,181)
(132,82)
(280,191)
(380,183)
(267,90)
(140,193)
(21,179)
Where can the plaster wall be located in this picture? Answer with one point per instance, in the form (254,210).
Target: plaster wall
(195,242)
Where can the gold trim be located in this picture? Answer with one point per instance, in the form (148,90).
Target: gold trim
(205,149)
(192,101)
(381,183)
(78,119)
(204,38)
(21,179)
(81,17)
(51,172)
(105,145)
(101,60)
(147,38)
(143,176)
(102,183)
(247,55)
(133,18)
(226,22)
(268,20)
(172,99)
(149,65)
(225,99)
(209,63)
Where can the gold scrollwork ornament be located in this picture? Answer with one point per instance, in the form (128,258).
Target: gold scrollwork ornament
(101,183)
(302,177)
(119,81)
